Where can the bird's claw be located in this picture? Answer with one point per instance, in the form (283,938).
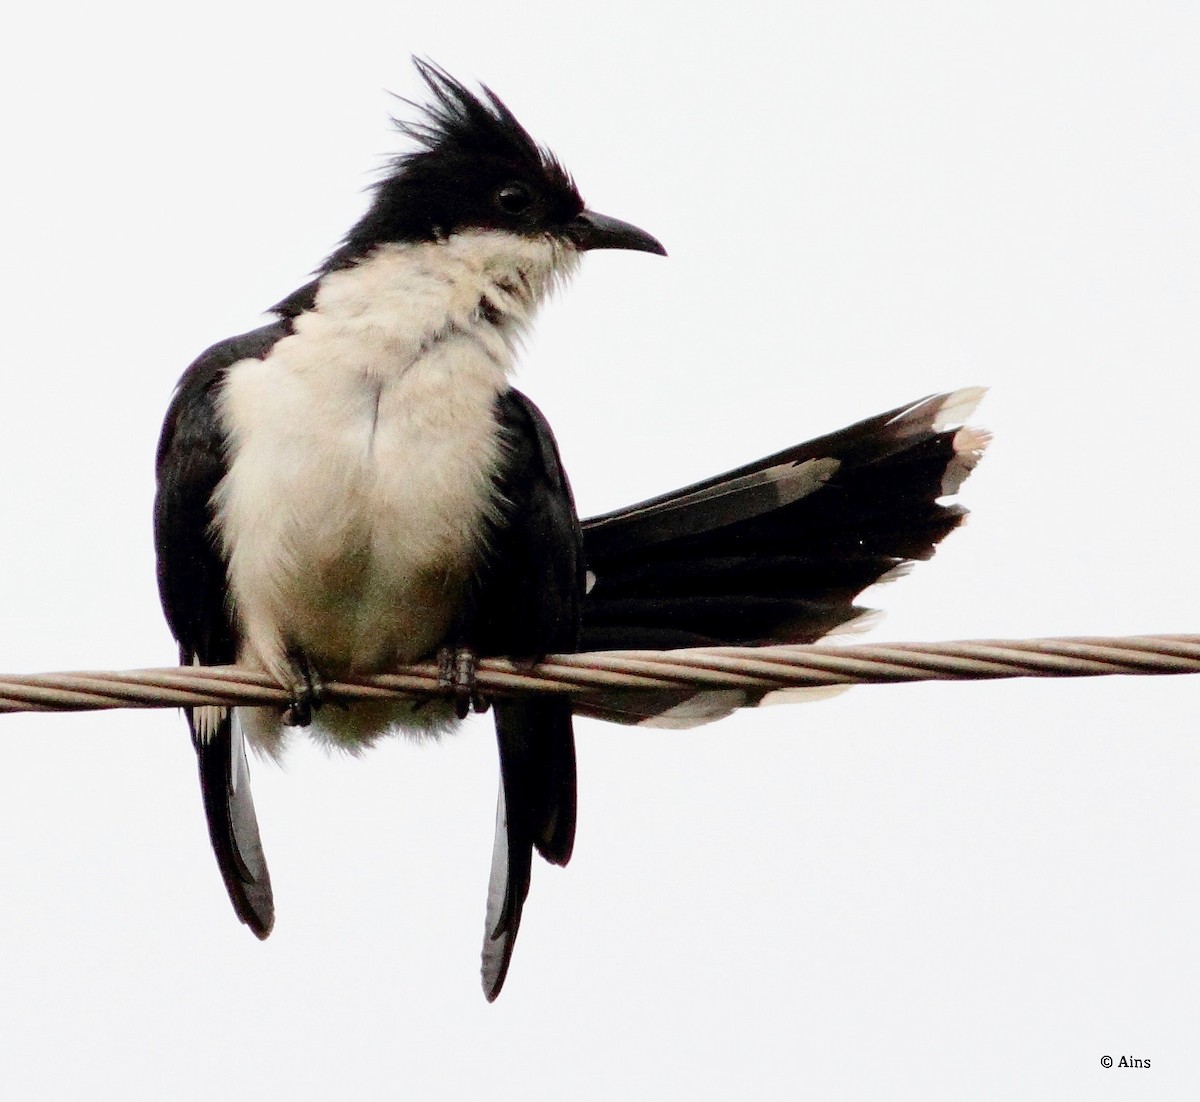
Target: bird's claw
(457,667)
(308,692)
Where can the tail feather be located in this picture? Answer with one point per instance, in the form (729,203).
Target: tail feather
(778,550)
(535,809)
(715,619)
(229,809)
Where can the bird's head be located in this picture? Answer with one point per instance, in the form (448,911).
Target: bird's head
(475,168)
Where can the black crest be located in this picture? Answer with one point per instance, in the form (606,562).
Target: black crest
(458,121)
(474,167)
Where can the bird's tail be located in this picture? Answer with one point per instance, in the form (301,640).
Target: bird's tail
(229,809)
(535,810)
(776,551)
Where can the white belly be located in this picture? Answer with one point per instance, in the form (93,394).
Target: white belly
(357,494)
(362,451)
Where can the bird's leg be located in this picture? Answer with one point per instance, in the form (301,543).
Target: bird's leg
(456,671)
(308,691)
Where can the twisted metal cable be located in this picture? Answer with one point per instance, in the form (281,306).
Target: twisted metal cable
(759,669)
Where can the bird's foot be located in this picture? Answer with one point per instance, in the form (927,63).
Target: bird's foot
(457,668)
(308,691)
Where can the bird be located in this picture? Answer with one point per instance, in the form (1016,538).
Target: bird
(356,485)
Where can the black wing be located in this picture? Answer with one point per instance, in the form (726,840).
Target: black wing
(193,588)
(776,551)
(527,604)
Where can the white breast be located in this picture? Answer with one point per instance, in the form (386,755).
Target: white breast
(362,452)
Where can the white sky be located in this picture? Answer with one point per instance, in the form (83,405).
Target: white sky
(937,892)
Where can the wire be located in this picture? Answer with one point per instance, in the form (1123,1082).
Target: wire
(759,669)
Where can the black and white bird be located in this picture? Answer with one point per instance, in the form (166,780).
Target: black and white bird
(356,485)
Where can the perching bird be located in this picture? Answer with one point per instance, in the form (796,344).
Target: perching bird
(356,485)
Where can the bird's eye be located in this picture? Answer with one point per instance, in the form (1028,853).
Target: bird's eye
(514,198)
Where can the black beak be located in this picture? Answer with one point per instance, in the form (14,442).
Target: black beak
(589,230)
